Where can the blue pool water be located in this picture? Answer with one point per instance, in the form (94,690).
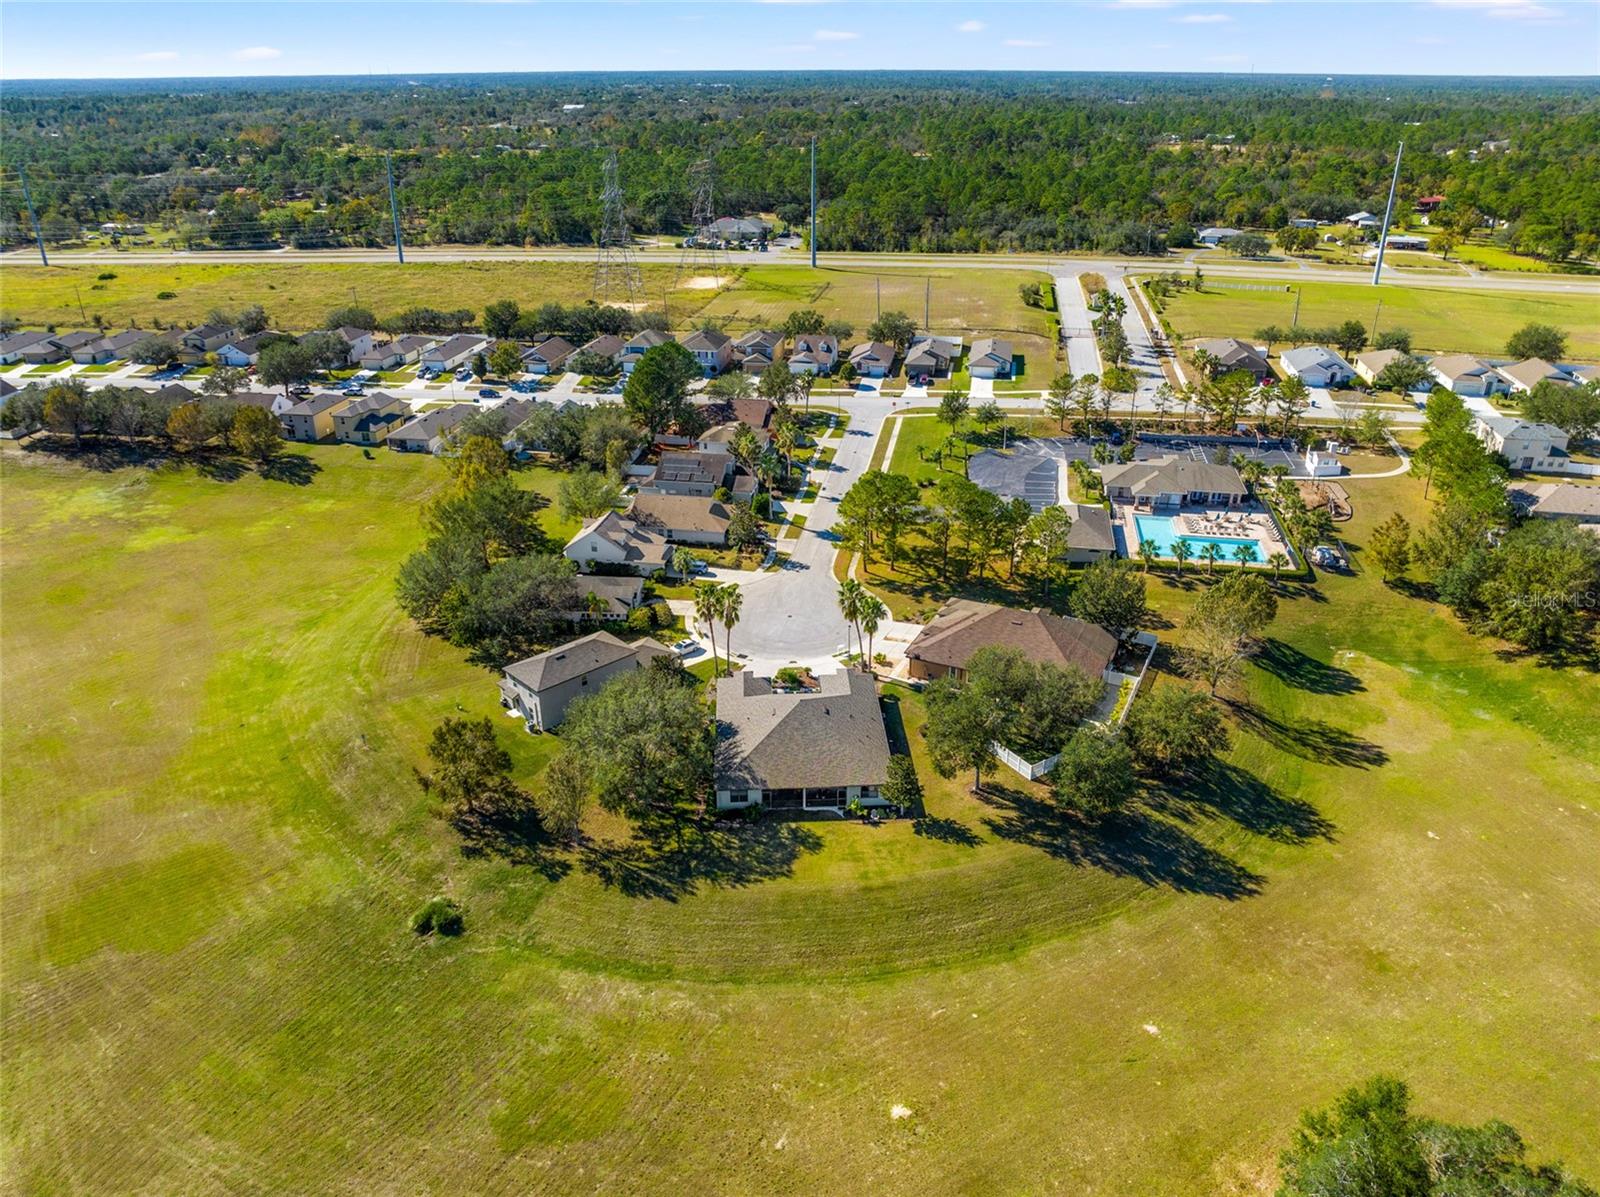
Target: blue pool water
(1159,529)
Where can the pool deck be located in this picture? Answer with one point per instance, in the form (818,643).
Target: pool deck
(1250,521)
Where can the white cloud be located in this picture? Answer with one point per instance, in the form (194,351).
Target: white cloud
(158,56)
(1203,18)
(257,54)
(1505,10)
(971,27)
(835,35)
(1024,43)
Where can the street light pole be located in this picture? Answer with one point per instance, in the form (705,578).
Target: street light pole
(1388,215)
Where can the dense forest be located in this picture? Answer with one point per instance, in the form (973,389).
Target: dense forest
(931,162)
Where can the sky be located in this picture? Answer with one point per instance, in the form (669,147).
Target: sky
(64,39)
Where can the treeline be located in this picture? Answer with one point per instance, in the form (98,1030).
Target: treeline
(934,163)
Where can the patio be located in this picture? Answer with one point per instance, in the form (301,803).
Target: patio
(1248,522)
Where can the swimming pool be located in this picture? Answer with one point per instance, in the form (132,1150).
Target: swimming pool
(1159,529)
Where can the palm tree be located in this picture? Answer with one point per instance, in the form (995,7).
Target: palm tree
(593,605)
(1181,552)
(683,561)
(1148,552)
(1244,554)
(706,606)
(1209,552)
(730,600)
(1277,561)
(786,438)
(852,596)
(873,612)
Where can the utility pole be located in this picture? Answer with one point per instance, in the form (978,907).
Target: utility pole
(1375,315)
(878,278)
(1388,215)
(927,305)
(82,315)
(813,205)
(32,215)
(1295,323)
(394,212)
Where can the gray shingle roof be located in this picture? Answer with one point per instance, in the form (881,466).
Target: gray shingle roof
(1173,475)
(679,513)
(833,736)
(1091,529)
(583,655)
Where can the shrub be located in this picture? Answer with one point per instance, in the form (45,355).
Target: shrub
(789,675)
(439,914)
(106,274)
(641,619)
(902,787)
(166,295)
(762,506)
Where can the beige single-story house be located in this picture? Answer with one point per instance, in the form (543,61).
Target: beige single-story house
(1233,354)
(1091,537)
(548,356)
(1375,361)
(1523,376)
(426,433)
(452,353)
(990,358)
(607,345)
(615,595)
(1468,375)
(1173,481)
(812,749)
(109,348)
(682,519)
(1316,366)
(1561,501)
(620,543)
(541,687)
(35,348)
(873,359)
(963,626)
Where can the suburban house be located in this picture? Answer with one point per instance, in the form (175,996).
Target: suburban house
(1428,204)
(607,345)
(454,352)
(814,353)
(1363,220)
(1316,366)
(1524,444)
(109,349)
(426,433)
(1173,481)
(688,472)
(1090,538)
(541,687)
(1525,375)
(682,519)
(613,597)
(37,348)
(963,626)
(276,402)
(1303,222)
(1467,375)
(312,418)
(549,356)
(358,341)
(639,345)
(1233,354)
(811,749)
(206,338)
(71,342)
(391,355)
(1215,236)
(930,357)
(757,350)
(1582,374)
(873,359)
(990,358)
(370,419)
(1375,361)
(243,352)
(712,349)
(1404,241)
(616,541)
(1561,501)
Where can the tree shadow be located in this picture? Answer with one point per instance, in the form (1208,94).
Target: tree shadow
(217,465)
(945,831)
(669,856)
(1135,843)
(292,468)
(1310,739)
(516,837)
(1227,790)
(1295,668)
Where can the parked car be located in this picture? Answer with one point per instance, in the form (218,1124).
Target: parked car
(488,393)
(463,375)
(524,388)
(686,648)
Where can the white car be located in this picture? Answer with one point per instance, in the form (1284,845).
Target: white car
(686,648)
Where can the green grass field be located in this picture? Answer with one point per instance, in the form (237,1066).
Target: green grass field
(1439,319)
(213,842)
(298,296)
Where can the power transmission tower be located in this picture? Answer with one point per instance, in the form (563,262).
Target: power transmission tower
(703,252)
(616,274)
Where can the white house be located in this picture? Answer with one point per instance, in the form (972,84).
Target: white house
(1316,366)
(243,352)
(453,352)
(1525,375)
(1468,375)
(1216,236)
(990,358)
(617,541)
(1524,444)
(814,353)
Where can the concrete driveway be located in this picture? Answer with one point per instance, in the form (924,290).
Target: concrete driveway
(1083,355)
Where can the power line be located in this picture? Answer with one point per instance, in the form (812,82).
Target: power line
(614,268)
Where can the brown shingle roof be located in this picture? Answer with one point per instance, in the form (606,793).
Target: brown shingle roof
(963,626)
(679,513)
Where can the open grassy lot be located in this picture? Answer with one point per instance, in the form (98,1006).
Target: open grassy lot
(1439,319)
(299,295)
(212,843)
